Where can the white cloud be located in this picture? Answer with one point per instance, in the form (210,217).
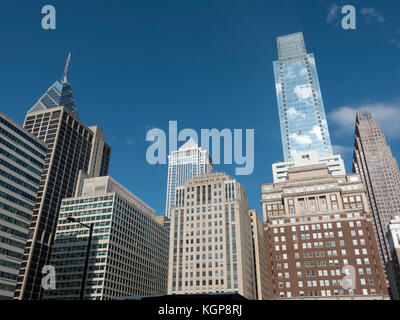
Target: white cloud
(303,72)
(312,61)
(387,115)
(371,14)
(303,91)
(317,131)
(333,13)
(278,88)
(292,113)
(131,142)
(303,139)
(394,39)
(342,150)
(289,73)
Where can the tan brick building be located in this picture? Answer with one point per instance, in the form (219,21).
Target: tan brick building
(211,247)
(316,224)
(260,256)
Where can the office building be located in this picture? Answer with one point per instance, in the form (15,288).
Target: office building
(335,164)
(320,238)
(129,248)
(260,256)
(211,247)
(301,109)
(73,150)
(373,160)
(187,162)
(22,157)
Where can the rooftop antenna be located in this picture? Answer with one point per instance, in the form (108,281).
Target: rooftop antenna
(64,78)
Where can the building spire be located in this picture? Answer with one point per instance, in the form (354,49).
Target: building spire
(64,78)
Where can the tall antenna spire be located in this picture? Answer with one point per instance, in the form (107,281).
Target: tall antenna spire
(64,78)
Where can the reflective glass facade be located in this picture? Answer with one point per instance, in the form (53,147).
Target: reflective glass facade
(301,109)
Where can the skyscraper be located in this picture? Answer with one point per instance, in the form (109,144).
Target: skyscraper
(373,160)
(301,109)
(128,252)
(22,158)
(211,246)
(73,149)
(187,162)
(318,226)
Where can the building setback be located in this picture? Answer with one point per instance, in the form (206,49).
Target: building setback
(335,164)
(301,109)
(211,248)
(187,162)
(260,256)
(129,249)
(22,157)
(373,160)
(316,224)
(73,149)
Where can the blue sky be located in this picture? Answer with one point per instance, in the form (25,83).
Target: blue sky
(207,64)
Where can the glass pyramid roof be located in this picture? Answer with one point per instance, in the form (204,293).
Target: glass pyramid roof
(58,95)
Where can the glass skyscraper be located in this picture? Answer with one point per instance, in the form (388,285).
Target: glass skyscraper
(73,150)
(187,162)
(301,109)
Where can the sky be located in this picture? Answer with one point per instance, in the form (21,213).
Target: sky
(136,65)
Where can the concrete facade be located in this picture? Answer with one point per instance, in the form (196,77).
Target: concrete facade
(373,160)
(22,157)
(211,247)
(129,250)
(260,256)
(335,164)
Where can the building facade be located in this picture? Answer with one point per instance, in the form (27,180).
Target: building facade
(301,109)
(187,162)
(22,157)
(373,160)
(394,246)
(335,164)
(211,248)
(72,148)
(318,231)
(260,256)
(129,249)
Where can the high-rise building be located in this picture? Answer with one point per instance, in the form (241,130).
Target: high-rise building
(394,246)
(301,109)
(260,256)
(335,164)
(22,158)
(373,160)
(73,149)
(320,238)
(128,252)
(211,248)
(187,162)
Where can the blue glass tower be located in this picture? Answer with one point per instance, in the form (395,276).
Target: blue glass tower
(58,95)
(301,109)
